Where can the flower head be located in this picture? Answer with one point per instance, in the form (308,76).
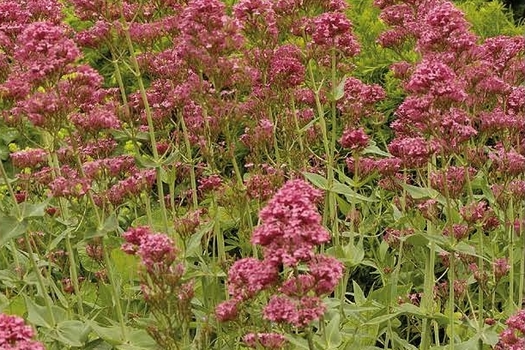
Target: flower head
(266,340)
(16,335)
(291,225)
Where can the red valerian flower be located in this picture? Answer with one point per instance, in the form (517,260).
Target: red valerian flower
(16,335)
(291,225)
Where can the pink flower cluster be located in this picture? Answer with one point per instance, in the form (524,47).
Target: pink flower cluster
(157,251)
(513,337)
(16,335)
(290,229)
(266,340)
(291,225)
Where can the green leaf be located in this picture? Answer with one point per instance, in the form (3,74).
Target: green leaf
(411,309)
(30,210)
(4,152)
(339,91)
(110,225)
(421,192)
(383,318)
(38,315)
(337,187)
(72,332)
(373,149)
(299,343)
(17,306)
(317,180)
(359,296)
(405,344)
(348,192)
(11,229)
(125,264)
(489,336)
(10,181)
(146,161)
(97,344)
(194,244)
(56,241)
(157,224)
(111,334)
(354,254)
(138,339)
(333,332)
(8,135)
(465,248)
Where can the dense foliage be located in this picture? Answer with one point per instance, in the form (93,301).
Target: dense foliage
(271,174)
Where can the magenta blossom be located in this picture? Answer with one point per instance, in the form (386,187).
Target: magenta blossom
(16,335)
(291,225)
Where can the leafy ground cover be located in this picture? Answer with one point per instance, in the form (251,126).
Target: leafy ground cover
(270,174)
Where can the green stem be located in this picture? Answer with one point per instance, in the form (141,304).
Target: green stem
(218,232)
(73,272)
(114,291)
(428,292)
(19,217)
(511,254)
(309,338)
(331,157)
(193,179)
(451,281)
(40,278)
(151,127)
(521,289)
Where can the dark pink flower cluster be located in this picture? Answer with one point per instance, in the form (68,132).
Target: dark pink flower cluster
(266,340)
(413,151)
(501,267)
(131,186)
(45,56)
(513,337)
(249,276)
(354,139)
(69,187)
(29,158)
(298,312)
(257,18)
(452,180)
(359,99)
(157,251)
(333,31)
(16,335)
(286,68)
(210,183)
(291,225)
(508,162)
(454,77)
(263,185)
(289,232)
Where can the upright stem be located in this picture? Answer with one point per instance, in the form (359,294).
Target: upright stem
(511,255)
(40,278)
(330,166)
(151,126)
(521,289)
(428,292)
(115,292)
(193,178)
(451,281)
(55,164)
